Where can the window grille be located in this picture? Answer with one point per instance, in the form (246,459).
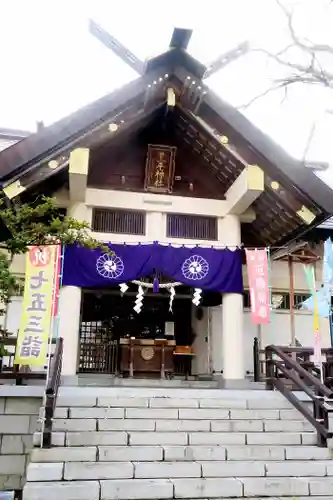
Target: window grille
(119,221)
(191,226)
(20,281)
(299,298)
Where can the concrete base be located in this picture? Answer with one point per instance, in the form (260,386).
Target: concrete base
(216,382)
(242,384)
(89,380)
(111,381)
(69,380)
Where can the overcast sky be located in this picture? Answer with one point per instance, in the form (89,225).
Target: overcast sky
(51,65)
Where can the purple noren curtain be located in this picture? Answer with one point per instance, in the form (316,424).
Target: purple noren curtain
(212,269)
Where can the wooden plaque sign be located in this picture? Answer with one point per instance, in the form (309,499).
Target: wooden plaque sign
(160,169)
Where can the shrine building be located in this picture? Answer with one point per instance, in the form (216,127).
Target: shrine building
(178,183)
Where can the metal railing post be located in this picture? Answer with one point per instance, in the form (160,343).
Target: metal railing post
(256,360)
(282,369)
(269,368)
(51,393)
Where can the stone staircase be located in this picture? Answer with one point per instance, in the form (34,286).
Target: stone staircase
(147,443)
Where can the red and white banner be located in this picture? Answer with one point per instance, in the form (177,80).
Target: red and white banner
(257,271)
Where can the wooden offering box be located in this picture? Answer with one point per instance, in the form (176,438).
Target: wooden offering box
(146,357)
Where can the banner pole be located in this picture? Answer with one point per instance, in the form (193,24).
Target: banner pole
(49,349)
(291,301)
(317,348)
(328,280)
(270,288)
(62,259)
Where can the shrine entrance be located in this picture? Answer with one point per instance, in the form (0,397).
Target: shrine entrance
(144,328)
(114,339)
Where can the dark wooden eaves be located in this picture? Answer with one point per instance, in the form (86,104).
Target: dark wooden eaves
(306,180)
(276,158)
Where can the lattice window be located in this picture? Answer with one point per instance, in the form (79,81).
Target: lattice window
(119,221)
(299,298)
(20,281)
(98,350)
(191,226)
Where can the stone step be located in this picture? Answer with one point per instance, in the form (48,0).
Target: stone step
(173,402)
(74,471)
(116,430)
(93,437)
(115,413)
(268,399)
(171,453)
(190,488)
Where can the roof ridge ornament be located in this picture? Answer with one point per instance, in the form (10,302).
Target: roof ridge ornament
(118,48)
(180,40)
(226,58)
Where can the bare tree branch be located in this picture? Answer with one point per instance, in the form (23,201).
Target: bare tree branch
(311,47)
(313,66)
(278,85)
(309,73)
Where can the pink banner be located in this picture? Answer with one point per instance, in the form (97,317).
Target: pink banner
(257,270)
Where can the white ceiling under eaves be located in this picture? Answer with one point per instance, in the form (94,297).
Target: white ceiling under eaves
(327,224)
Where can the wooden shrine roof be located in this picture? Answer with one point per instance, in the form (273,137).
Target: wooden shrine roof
(202,120)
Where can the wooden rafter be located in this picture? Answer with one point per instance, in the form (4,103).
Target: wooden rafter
(226,58)
(118,48)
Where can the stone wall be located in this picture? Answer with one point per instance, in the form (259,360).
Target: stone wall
(19,410)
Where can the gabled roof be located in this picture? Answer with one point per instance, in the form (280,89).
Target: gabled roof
(208,113)
(13,133)
(53,139)
(9,136)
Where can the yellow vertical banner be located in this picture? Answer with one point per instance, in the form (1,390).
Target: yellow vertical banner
(32,340)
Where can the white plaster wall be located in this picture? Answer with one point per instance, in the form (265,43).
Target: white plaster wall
(278,332)
(157,207)
(155,202)
(18,265)
(279,276)
(13,315)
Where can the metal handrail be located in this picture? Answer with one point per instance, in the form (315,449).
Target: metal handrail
(52,393)
(302,354)
(13,371)
(278,363)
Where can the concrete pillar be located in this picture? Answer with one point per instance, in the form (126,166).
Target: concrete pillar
(233,341)
(232,314)
(69,327)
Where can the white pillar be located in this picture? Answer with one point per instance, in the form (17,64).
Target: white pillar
(69,327)
(232,314)
(233,342)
